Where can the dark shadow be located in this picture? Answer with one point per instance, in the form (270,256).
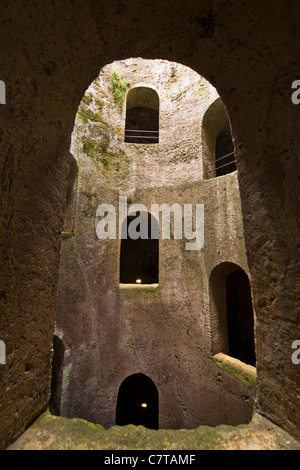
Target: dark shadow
(225,160)
(240,318)
(56,384)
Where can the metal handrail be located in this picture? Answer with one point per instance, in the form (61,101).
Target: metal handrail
(139,130)
(141,137)
(221,158)
(226,164)
(132,134)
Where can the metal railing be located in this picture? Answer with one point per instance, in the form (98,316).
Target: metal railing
(137,134)
(216,167)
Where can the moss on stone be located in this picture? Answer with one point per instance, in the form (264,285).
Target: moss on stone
(99,103)
(119,88)
(203,89)
(65,235)
(87,99)
(87,145)
(129,342)
(240,371)
(58,433)
(105,160)
(87,114)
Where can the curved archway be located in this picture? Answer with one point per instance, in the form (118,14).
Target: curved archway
(232,318)
(218,150)
(137,402)
(43,171)
(142,116)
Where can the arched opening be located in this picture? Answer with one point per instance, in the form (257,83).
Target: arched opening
(142,116)
(232,315)
(218,150)
(137,402)
(139,257)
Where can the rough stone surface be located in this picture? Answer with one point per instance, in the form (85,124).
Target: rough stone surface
(56,433)
(249,52)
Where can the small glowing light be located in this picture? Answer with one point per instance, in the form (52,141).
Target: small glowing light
(144,405)
(138,281)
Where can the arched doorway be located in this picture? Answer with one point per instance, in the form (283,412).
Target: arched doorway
(232,316)
(137,402)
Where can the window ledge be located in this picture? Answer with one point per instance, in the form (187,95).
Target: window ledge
(144,287)
(238,369)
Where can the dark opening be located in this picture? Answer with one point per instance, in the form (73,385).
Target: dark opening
(240,318)
(225,160)
(137,402)
(139,259)
(142,116)
(56,384)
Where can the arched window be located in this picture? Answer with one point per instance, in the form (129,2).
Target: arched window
(139,256)
(232,318)
(137,402)
(142,116)
(218,150)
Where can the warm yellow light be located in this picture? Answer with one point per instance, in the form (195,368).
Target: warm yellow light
(144,405)
(138,281)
